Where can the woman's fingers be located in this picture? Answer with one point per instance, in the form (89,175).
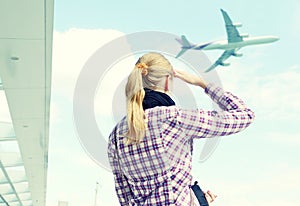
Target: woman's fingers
(185,76)
(190,78)
(210,196)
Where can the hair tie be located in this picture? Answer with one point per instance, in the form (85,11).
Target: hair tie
(143,67)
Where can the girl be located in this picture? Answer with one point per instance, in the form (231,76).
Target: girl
(150,149)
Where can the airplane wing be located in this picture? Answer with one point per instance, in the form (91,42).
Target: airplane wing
(212,67)
(226,54)
(181,53)
(232,33)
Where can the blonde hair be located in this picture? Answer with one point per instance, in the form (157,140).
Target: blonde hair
(149,72)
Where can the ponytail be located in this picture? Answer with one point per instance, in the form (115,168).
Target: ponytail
(135,94)
(148,72)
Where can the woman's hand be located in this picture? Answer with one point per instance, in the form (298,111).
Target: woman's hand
(210,197)
(190,78)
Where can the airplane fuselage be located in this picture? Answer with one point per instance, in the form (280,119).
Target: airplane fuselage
(231,46)
(224,45)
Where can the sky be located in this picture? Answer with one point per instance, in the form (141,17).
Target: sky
(259,166)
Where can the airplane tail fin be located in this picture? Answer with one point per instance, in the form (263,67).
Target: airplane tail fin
(184,42)
(185,45)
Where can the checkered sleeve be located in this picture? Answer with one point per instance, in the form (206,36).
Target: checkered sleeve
(121,182)
(233,117)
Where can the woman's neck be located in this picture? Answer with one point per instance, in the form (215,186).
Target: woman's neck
(160,89)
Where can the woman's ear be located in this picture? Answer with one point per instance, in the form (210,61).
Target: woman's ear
(167,83)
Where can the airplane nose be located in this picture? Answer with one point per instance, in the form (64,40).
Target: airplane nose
(276,38)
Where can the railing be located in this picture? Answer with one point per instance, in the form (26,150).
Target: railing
(14,188)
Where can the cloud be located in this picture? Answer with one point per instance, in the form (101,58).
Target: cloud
(71,174)
(273,96)
(71,50)
(4,110)
(55,114)
(284,138)
(110,96)
(280,187)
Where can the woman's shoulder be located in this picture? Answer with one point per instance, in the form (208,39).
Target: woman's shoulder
(162,112)
(120,128)
(170,111)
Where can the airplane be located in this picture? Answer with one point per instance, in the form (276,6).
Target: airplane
(235,41)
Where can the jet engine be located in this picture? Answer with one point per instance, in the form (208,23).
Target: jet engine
(244,35)
(224,64)
(237,24)
(236,54)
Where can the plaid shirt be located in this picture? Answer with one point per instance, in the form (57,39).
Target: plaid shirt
(158,170)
